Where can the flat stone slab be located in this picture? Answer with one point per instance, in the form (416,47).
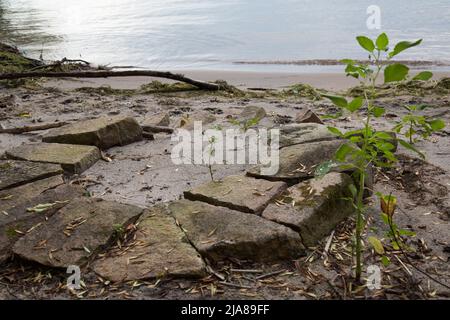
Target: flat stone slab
(298,162)
(29,207)
(160,249)
(314,207)
(104,132)
(238,192)
(156,120)
(219,233)
(72,158)
(299,133)
(308,116)
(252,112)
(79,230)
(16,173)
(12,197)
(206,119)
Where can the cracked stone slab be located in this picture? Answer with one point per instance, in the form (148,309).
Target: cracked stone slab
(72,158)
(219,233)
(314,207)
(156,120)
(16,173)
(79,230)
(206,119)
(12,197)
(300,133)
(298,162)
(238,192)
(29,207)
(160,249)
(103,132)
(251,113)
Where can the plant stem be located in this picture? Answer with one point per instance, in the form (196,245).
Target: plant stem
(410,132)
(362,170)
(359,225)
(211,172)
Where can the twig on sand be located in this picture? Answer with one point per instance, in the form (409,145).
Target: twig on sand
(106,74)
(270,274)
(247,270)
(148,135)
(212,271)
(39,127)
(328,244)
(235,285)
(157,129)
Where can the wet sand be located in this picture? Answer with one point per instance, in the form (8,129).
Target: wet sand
(241,79)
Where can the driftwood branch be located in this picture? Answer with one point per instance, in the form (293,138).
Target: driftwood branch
(19,130)
(157,129)
(107,74)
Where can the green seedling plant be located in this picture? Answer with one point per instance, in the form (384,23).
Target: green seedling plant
(396,236)
(247,124)
(414,126)
(212,151)
(119,230)
(365,147)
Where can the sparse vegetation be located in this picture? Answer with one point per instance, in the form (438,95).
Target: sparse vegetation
(414,125)
(376,148)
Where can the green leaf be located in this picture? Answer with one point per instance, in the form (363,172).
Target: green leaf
(355,139)
(323,168)
(383,135)
(385,218)
(347,61)
(424,75)
(395,72)
(366,43)
(395,245)
(337,115)
(389,155)
(234,121)
(337,100)
(359,132)
(437,124)
(421,107)
(355,104)
(385,261)
(382,41)
(401,46)
(352,71)
(353,190)
(407,233)
(342,152)
(335,131)
(385,146)
(378,111)
(376,244)
(410,147)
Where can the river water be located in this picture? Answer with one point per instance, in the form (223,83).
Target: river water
(215,34)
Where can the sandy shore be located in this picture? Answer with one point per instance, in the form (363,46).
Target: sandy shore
(143,174)
(241,79)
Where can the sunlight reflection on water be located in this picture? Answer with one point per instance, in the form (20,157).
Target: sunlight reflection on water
(210,34)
